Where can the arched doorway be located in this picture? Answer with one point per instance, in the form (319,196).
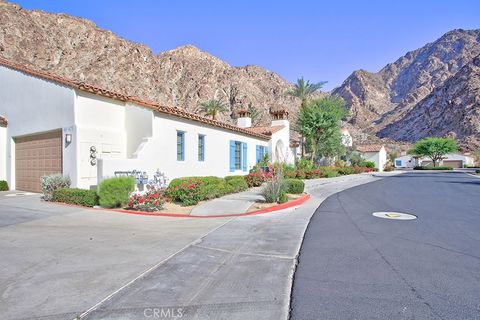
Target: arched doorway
(280,152)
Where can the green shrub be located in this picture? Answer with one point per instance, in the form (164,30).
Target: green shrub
(237,183)
(115,192)
(294,186)
(189,191)
(329,172)
(431,168)
(368,164)
(81,197)
(477,171)
(282,198)
(53,182)
(304,164)
(346,170)
(3,185)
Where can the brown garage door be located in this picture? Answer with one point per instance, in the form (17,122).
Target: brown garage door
(453,163)
(36,156)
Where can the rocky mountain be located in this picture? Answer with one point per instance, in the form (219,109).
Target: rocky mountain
(77,49)
(400,101)
(452,109)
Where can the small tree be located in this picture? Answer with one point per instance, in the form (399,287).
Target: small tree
(213,107)
(433,148)
(319,123)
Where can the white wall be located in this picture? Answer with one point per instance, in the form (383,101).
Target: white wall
(281,138)
(3,153)
(32,105)
(160,150)
(99,122)
(380,158)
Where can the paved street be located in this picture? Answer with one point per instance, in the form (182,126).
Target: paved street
(356,266)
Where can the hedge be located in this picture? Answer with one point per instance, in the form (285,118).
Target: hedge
(115,192)
(3,185)
(82,197)
(294,186)
(431,168)
(237,183)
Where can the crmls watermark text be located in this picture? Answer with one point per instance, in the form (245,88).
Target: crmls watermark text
(163,313)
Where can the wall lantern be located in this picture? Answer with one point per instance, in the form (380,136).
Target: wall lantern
(68,138)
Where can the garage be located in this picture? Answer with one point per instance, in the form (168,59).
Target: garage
(36,156)
(453,163)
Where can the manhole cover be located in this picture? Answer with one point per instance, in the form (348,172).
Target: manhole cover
(394,215)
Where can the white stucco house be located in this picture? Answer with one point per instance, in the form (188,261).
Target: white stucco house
(375,153)
(51,124)
(454,160)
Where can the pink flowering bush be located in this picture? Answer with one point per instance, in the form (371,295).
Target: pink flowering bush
(151,201)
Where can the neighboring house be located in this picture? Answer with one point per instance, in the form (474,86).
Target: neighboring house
(454,160)
(56,125)
(405,162)
(375,153)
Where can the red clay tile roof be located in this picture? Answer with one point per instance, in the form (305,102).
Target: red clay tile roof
(3,121)
(266,130)
(122,97)
(369,148)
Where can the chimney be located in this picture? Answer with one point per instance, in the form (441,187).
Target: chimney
(244,120)
(280,118)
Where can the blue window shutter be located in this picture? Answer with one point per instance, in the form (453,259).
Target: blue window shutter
(244,156)
(232,156)
(258,154)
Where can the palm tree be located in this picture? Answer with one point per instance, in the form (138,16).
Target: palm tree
(213,107)
(305,90)
(255,115)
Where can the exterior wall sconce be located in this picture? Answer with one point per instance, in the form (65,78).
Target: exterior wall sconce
(68,138)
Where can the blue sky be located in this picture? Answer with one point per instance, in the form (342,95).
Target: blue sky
(321,40)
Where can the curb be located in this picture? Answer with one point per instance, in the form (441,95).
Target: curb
(286,205)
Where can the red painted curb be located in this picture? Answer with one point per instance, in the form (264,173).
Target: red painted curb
(282,206)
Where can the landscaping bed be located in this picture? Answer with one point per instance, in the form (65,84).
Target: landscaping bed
(280,183)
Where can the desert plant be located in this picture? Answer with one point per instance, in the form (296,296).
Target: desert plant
(294,186)
(3,185)
(53,182)
(115,192)
(273,188)
(81,197)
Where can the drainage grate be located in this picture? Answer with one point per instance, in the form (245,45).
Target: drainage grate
(394,215)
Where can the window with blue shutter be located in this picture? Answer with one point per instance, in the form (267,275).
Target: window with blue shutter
(180,146)
(232,156)
(244,157)
(201,147)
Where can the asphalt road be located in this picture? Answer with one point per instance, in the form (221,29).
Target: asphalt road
(356,266)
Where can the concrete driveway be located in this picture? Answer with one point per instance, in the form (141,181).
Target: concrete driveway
(58,261)
(356,266)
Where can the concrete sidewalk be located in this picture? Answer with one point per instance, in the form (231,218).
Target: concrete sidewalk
(229,204)
(242,270)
